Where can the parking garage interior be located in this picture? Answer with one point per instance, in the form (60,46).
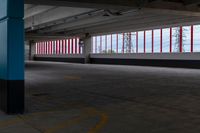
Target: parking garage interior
(86,66)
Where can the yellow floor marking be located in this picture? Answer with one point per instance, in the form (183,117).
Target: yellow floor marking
(98,126)
(87,112)
(7,123)
(65,124)
(68,123)
(72,77)
(22,118)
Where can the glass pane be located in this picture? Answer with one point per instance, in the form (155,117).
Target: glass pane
(103,44)
(187,39)
(176,39)
(197,38)
(166,41)
(98,44)
(114,43)
(109,44)
(157,41)
(148,41)
(127,43)
(120,43)
(133,42)
(141,42)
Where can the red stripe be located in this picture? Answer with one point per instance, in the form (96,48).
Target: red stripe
(161,38)
(136,42)
(106,41)
(42,49)
(75,46)
(45,47)
(152,41)
(39,46)
(47,50)
(56,46)
(123,43)
(50,43)
(72,46)
(63,47)
(111,43)
(69,40)
(181,39)
(130,42)
(79,47)
(144,41)
(117,42)
(192,38)
(170,40)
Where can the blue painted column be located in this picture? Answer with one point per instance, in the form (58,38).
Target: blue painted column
(12,56)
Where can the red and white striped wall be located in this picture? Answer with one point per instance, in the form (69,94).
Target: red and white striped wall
(59,47)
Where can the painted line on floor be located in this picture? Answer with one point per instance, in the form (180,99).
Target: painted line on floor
(69,123)
(7,123)
(87,113)
(72,77)
(100,125)
(24,118)
(65,124)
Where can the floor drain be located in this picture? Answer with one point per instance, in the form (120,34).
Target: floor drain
(40,94)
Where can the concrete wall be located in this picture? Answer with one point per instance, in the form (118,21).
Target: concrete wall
(163,56)
(181,60)
(73,58)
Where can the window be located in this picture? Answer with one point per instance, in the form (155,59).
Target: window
(114,43)
(166,41)
(157,41)
(120,43)
(181,39)
(148,41)
(141,42)
(94,44)
(109,43)
(103,48)
(176,39)
(133,42)
(186,39)
(196,38)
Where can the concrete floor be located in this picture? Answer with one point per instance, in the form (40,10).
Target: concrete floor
(77,98)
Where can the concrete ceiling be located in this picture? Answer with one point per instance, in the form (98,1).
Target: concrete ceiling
(76,17)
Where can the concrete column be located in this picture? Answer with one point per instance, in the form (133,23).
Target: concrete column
(12,56)
(32,49)
(87,49)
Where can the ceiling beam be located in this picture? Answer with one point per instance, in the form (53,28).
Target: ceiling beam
(53,15)
(191,2)
(36,10)
(103,4)
(162,22)
(41,37)
(96,20)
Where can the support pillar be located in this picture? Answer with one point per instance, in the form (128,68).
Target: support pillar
(32,49)
(12,56)
(87,49)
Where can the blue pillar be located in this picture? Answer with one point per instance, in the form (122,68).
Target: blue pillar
(12,56)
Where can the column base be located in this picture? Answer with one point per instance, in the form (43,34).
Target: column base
(12,96)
